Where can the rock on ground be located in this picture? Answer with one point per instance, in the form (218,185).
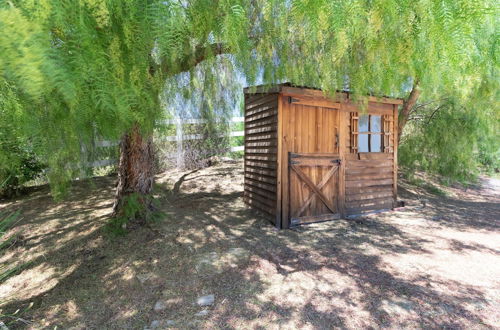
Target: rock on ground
(159,306)
(206,300)
(202,313)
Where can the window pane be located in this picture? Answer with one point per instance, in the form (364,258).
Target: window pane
(375,123)
(376,145)
(363,123)
(363,143)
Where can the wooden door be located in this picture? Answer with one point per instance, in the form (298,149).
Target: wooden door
(310,153)
(313,187)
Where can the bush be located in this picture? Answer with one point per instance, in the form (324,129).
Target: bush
(18,161)
(451,140)
(18,165)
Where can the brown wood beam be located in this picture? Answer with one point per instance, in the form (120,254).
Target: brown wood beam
(408,104)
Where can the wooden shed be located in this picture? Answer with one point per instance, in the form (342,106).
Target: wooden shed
(312,158)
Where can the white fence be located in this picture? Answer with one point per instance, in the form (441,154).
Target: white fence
(179,137)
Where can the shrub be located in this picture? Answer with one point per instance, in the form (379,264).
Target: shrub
(18,161)
(451,140)
(18,165)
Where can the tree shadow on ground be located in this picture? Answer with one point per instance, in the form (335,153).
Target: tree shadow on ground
(483,213)
(325,275)
(342,248)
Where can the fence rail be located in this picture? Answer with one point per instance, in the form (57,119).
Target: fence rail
(175,121)
(172,138)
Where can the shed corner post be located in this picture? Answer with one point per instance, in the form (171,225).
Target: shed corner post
(279,216)
(395,152)
(245,98)
(342,150)
(283,159)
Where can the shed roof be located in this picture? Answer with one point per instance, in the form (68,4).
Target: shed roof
(291,89)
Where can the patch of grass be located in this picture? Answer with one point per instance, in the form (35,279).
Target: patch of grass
(434,190)
(6,222)
(15,318)
(426,185)
(236,154)
(105,170)
(133,212)
(492,173)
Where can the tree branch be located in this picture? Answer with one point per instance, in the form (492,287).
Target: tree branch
(408,104)
(200,54)
(433,113)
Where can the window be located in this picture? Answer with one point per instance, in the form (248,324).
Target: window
(370,133)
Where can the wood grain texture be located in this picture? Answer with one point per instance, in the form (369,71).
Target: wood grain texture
(287,143)
(271,111)
(313,190)
(261,141)
(287,120)
(312,132)
(288,89)
(395,163)
(369,184)
(279,200)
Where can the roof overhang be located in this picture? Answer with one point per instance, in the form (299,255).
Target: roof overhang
(292,90)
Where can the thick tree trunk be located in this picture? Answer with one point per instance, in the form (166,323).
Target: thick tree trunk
(135,177)
(408,104)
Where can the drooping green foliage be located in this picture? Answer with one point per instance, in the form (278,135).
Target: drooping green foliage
(211,93)
(19,162)
(91,69)
(450,140)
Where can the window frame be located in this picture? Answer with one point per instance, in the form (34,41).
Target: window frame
(370,133)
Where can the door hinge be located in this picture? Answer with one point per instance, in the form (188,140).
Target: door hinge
(292,100)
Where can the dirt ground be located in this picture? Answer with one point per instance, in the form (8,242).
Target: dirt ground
(433,264)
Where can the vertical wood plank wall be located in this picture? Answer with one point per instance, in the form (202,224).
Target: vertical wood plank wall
(306,128)
(261,126)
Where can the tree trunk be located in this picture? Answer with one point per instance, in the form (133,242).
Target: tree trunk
(135,177)
(408,104)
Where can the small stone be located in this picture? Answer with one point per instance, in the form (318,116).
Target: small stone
(202,313)
(170,323)
(206,300)
(159,306)
(155,324)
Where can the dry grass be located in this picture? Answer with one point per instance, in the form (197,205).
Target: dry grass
(432,266)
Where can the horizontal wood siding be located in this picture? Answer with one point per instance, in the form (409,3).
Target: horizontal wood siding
(261,142)
(369,182)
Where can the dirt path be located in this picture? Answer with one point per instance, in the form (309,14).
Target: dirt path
(491,186)
(433,264)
